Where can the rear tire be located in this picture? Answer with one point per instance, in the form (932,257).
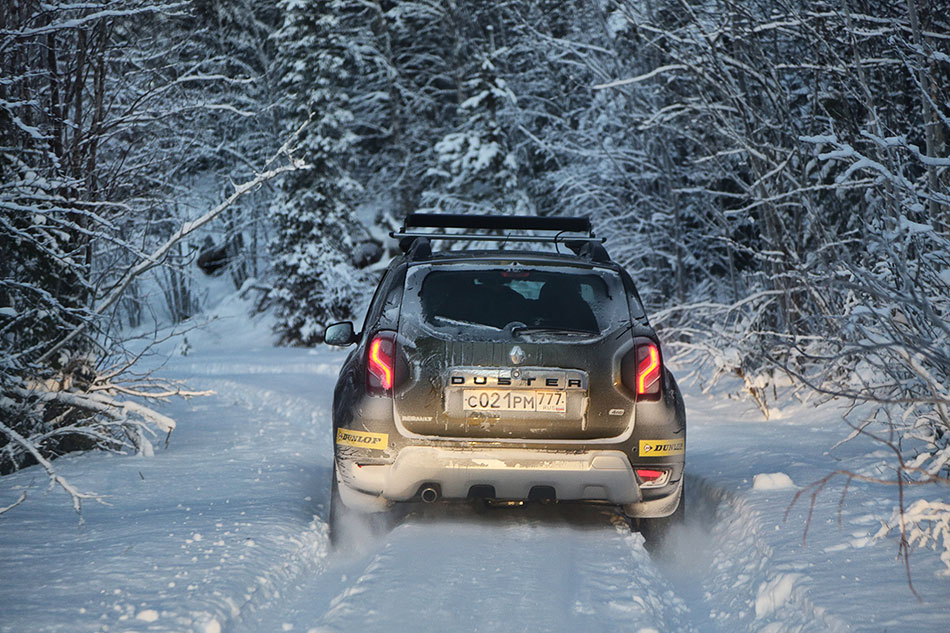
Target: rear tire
(349,528)
(657,531)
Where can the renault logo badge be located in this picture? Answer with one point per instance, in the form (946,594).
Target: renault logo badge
(517,355)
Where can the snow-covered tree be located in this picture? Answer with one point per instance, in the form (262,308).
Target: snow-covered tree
(476,167)
(105,109)
(814,137)
(314,227)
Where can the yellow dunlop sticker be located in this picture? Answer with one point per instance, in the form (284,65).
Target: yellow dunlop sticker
(362,439)
(662,448)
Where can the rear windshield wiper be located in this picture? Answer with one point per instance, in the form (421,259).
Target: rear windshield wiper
(550,330)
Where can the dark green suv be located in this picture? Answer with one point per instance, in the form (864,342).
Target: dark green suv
(507,375)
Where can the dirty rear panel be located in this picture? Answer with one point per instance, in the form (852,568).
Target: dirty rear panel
(513,351)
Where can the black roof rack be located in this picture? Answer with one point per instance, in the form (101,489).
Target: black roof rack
(504,222)
(557,225)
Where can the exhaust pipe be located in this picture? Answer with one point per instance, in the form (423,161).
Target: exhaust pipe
(429,494)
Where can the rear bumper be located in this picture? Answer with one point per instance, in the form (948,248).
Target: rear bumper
(604,475)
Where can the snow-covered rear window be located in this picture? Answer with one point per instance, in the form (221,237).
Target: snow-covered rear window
(508,303)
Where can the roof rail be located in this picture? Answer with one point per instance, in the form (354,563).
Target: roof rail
(557,225)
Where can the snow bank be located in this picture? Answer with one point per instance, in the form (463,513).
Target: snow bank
(759,564)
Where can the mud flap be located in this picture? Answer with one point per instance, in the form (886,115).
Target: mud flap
(355,518)
(657,508)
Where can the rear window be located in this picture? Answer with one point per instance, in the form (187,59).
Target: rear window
(519,302)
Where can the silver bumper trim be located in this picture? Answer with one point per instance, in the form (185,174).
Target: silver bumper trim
(594,475)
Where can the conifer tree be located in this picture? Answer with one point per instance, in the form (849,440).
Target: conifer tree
(313,215)
(477,168)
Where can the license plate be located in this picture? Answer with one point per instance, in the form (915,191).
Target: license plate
(546,401)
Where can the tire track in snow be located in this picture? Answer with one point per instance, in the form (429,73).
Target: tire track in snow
(281,404)
(279,422)
(280,367)
(500,571)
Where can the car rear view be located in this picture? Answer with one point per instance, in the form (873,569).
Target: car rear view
(506,375)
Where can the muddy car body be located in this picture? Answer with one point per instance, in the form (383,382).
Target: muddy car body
(508,375)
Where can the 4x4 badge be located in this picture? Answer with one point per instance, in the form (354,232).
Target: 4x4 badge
(517,355)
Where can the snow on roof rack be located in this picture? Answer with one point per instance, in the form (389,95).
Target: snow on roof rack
(556,225)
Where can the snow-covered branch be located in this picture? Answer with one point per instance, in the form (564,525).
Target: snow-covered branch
(76,496)
(157,256)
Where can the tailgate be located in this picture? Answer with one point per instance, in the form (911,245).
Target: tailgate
(474,390)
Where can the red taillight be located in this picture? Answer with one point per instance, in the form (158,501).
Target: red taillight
(648,370)
(380,366)
(381,362)
(641,369)
(387,367)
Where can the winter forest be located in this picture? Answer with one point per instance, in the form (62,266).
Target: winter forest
(775,174)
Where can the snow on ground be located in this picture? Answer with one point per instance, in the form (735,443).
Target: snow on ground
(225,530)
(767,573)
(504,571)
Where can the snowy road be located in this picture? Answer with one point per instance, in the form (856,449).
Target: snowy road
(456,569)
(225,531)
(488,573)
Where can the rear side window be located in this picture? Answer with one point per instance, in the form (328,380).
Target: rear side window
(506,303)
(383,311)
